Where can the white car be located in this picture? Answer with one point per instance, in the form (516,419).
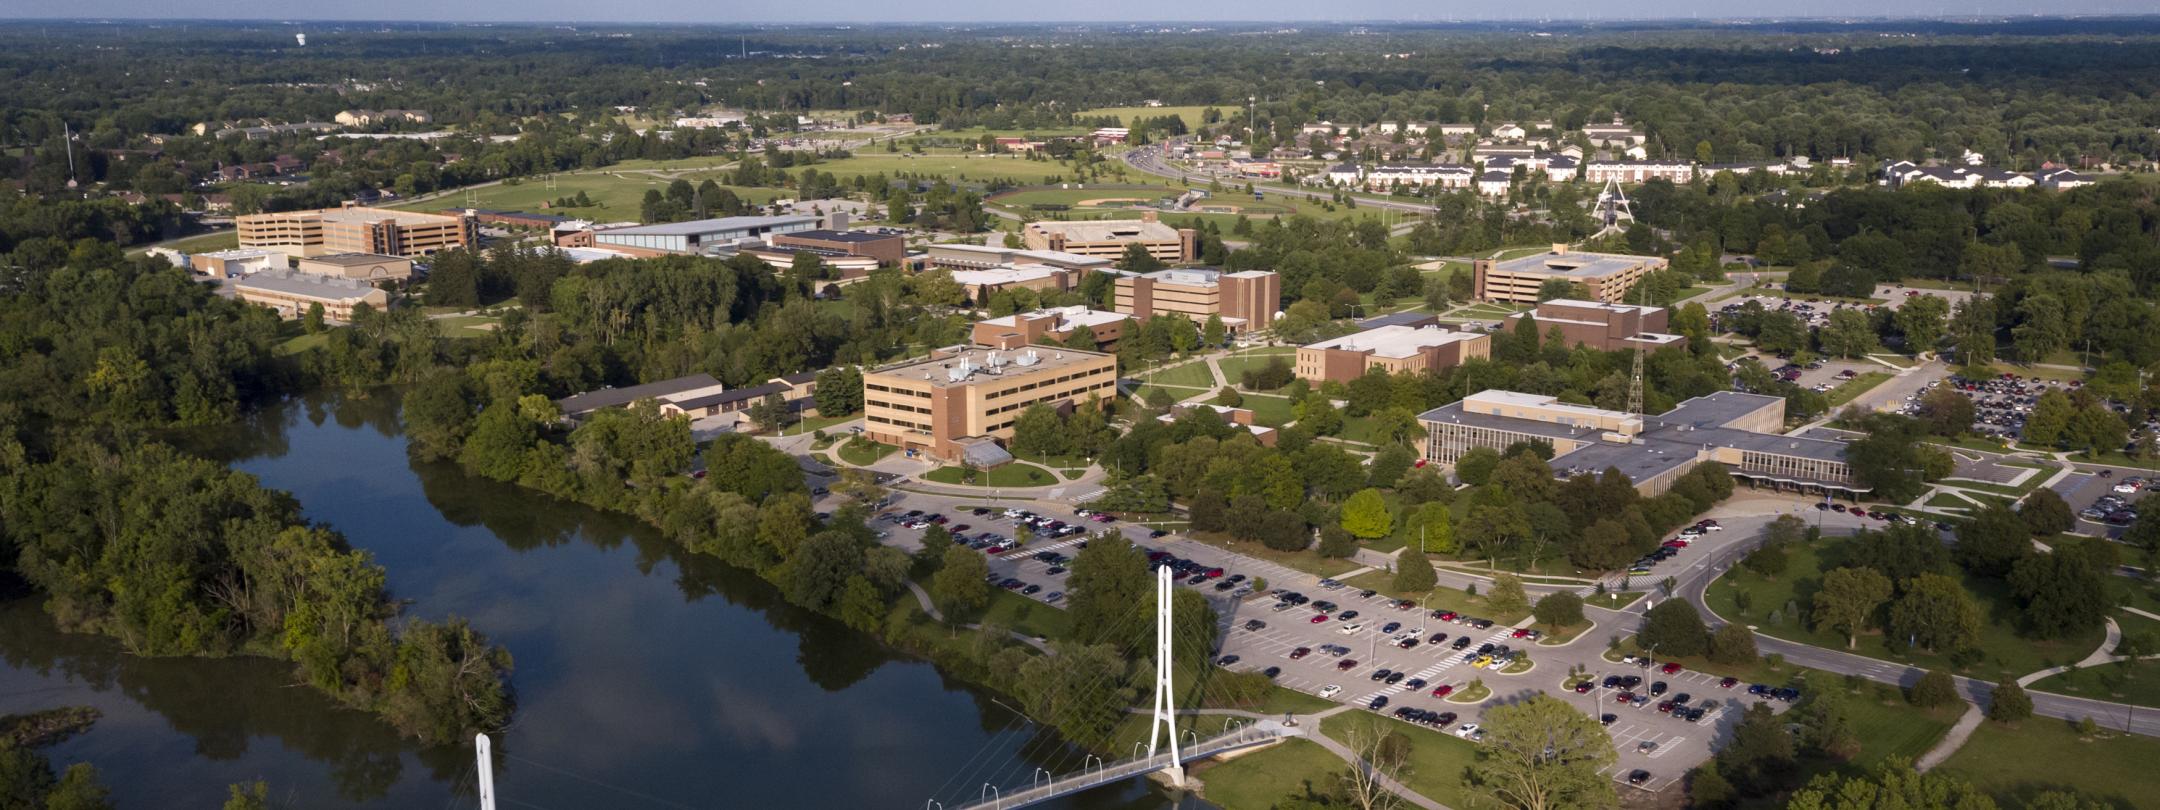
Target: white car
(1467,730)
(1330,690)
(2125,489)
(1414,632)
(1349,629)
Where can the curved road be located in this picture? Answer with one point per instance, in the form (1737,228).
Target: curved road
(1696,581)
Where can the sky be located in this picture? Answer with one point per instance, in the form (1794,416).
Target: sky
(871,11)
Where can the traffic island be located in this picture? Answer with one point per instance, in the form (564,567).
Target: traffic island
(1476,692)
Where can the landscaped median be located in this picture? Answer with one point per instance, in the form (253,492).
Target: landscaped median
(1015,474)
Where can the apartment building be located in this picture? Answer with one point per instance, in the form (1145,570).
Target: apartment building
(293,293)
(1244,300)
(368,267)
(1634,172)
(1607,276)
(364,118)
(961,402)
(1735,429)
(1395,349)
(1109,238)
(357,229)
(1603,326)
(1056,324)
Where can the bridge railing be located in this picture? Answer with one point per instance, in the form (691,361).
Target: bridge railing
(1041,791)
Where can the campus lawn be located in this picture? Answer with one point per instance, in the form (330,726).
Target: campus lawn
(1193,374)
(205,243)
(1263,778)
(2013,763)
(2002,651)
(1307,560)
(618,193)
(1438,761)
(1026,616)
(1271,411)
(1848,390)
(1073,197)
(817,423)
(1234,367)
(864,451)
(1008,475)
(2133,682)
(952,166)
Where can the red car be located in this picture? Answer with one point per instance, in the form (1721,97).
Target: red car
(1448,616)
(1300,652)
(1729,683)
(1346,664)
(1583,688)
(1519,633)
(1676,544)
(1670,669)
(1665,707)
(1319,618)
(1442,690)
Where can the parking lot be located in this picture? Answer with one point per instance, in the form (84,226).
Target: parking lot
(1434,662)
(2097,495)
(1821,375)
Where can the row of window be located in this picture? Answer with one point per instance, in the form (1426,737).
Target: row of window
(895,406)
(1075,394)
(1044,383)
(902,391)
(924,426)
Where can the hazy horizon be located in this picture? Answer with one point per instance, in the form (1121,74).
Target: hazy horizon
(867,12)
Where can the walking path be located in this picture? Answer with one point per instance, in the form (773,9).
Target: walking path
(922,597)
(1381,779)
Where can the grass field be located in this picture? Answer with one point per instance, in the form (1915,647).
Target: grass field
(1438,761)
(2133,682)
(1848,390)
(1025,615)
(618,193)
(1263,778)
(2040,754)
(1008,475)
(1191,115)
(205,243)
(1194,374)
(1103,194)
(2002,651)
(1308,560)
(1270,411)
(864,451)
(1234,368)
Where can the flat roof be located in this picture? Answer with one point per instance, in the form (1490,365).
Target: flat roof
(1073,315)
(364,214)
(1396,341)
(971,365)
(1404,318)
(611,397)
(1008,254)
(354,259)
(829,235)
(240,253)
(1667,440)
(292,282)
(1599,305)
(1109,230)
(1574,264)
(724,397)
(1004,275)
(704,226)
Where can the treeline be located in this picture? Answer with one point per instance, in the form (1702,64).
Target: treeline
(177,556)
(173,555)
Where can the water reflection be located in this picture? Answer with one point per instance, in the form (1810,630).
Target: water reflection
(637,665)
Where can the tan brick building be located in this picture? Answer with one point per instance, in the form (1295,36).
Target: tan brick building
(1394,349)
(1245,300)
(962,398)
(1108,238)
(357,229)
(1056,323)
(368,267)
(886,248)
(293,293)
(1602,326)
(1606,276)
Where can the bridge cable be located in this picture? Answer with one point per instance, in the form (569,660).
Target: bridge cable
(1093,688)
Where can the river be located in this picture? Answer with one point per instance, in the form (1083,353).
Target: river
(645,678)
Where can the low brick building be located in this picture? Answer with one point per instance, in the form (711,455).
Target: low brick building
(1394,349)
(1602,326)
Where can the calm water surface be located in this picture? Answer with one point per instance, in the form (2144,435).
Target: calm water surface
(645,679)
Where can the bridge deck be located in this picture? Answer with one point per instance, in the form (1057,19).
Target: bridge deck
(1263,732)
